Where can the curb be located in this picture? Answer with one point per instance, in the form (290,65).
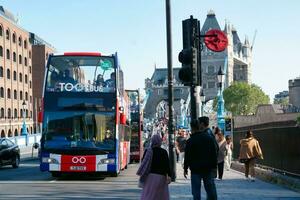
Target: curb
(271,176)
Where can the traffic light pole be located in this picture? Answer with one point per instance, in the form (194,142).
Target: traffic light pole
(172,154)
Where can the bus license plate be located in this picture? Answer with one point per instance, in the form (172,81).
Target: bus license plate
(81,168)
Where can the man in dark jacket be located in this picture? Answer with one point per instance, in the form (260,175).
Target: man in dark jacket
(201,158)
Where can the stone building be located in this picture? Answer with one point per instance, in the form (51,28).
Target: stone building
(157,95)
(17,76)
(235,61)
(294,92)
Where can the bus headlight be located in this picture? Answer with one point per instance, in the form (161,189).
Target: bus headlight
(49,160)
(107,161)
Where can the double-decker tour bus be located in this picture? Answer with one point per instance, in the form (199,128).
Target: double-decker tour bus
(84,124)
(136,125)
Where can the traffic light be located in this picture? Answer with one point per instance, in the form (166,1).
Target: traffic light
(228,124)
(188,72)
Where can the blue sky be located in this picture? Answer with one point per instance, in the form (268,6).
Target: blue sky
(136,30)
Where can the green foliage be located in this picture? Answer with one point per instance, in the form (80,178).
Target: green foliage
(242,99)
(282,102)
(298,120)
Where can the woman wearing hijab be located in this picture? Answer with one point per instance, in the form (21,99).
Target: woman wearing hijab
(154,172)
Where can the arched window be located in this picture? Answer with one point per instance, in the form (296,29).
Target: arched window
(16,132)
(1,31)
(15,113)
(10,133)
(15,75)
(2,113)
(2,134)
(9,113)
(20,41)
(14,57)
(1,51)
(25,61)
(8,93)
(29,54)
(2,92)
(20,77)
(20,59)
(7,54)
(7,34)
(1,71)
(14,38)
(26,96)
(15,94)
(30,84)
(26,79)
(25,44)
(30,99)
(30,69)
(8,73)
(26,113)
(21,113)
(21,95)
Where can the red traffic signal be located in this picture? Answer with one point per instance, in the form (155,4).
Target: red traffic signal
(216,40)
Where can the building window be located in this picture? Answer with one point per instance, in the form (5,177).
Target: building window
(8,93)
(30,84)
(20,59)
(20,41)
(1,71)
(1,51)
(30,69)
(2,92)
(25,61)
(31,117)
(15,113)
(15,75)
(20,77)
(7,34)
(15,94)
(26,96)
(21,113)
(14,38)
(9,113)
(2,113)
(26,113)
(21,95)
(29,54)
(8,74)
(30,99)
(210,69)
(7,54)
(26,79)
(1,31)
(25,44)
(14,57)
(211,84)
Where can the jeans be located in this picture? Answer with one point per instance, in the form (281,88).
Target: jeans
(209,186)
(220,169)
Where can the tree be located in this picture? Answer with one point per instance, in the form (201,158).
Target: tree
(283,101)
(242,99)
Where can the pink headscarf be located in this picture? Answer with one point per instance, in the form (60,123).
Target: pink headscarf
(145,166)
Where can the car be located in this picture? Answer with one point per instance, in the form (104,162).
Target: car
(9,153)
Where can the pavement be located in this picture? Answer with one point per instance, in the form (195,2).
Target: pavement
(233,187)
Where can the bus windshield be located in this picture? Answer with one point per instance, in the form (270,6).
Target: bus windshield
(81,74)
(79,130)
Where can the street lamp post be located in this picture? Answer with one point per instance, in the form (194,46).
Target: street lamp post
(202,98)
(24,130)
(220,114)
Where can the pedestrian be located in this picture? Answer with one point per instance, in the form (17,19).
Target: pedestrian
(201,158)
(249,151)
(229,149)
(221,154)
(154,172)
(180,145)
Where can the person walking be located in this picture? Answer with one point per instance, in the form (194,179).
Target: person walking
(229,149)
(249,151)
(201,158)
(221,154)
(180,144)
(154,172)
